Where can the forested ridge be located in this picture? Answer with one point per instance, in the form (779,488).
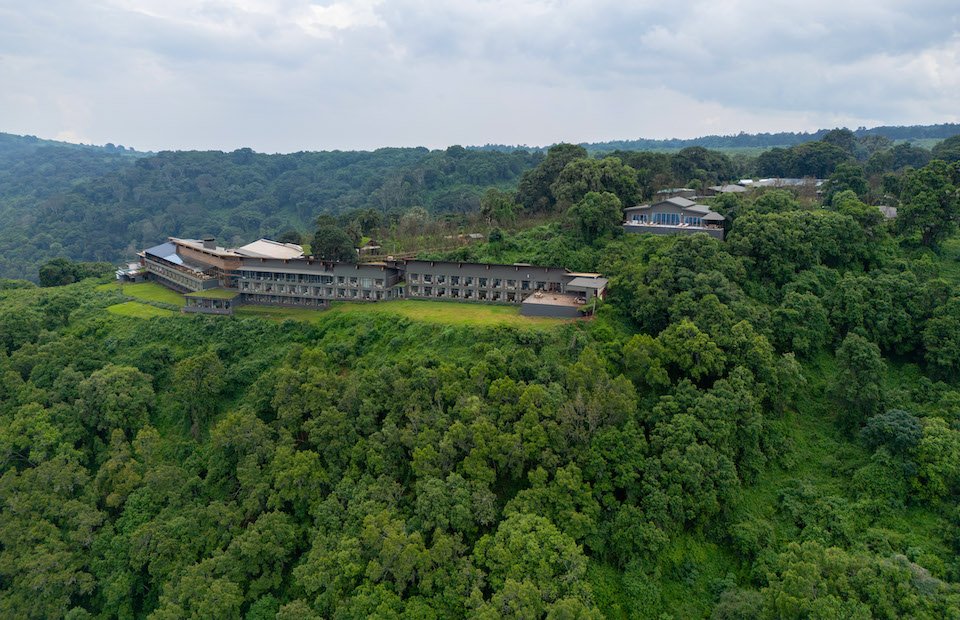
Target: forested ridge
(105,203)
(765,427)
(131,203)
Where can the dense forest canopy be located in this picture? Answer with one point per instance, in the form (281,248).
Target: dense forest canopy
(766,427)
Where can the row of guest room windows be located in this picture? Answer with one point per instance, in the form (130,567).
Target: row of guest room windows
(469,281)
(456,293)
(310,278)
(667,219)
(328,292)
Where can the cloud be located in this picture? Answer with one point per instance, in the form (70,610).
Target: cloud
(294,74)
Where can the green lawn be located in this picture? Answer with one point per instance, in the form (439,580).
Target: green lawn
(138,310)
(444,312)
(214,293)
(146,291)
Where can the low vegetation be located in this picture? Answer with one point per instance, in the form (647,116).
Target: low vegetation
(138,310)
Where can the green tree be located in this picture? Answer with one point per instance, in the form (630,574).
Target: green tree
(930,203)
(497,206)
(116,397)
(333,244)
(530,550)
(948,150)
(198,381)
(846,176)
(534,191)
(583,176)
(938,460)
(859,382)
(941,338)
(596,216)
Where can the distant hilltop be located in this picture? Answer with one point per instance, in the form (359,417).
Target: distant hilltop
(749,140)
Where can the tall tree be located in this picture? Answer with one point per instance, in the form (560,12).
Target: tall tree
(534,192)
(597,215)
(930,202)
(333,244)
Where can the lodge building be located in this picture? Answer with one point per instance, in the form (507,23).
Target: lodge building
(214,279)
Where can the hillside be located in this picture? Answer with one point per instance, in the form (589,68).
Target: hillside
(758,428)
(104,207)
(105,203)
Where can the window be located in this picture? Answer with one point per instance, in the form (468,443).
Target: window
(427,291)
(340,279)
(454,280)
(666,219)
(468,281)
(483,281)
(366,282)
(511,284)
(427,278)
(497,282)
(353,280)
(693,221)
(541,285)
(379,282)
(441,279)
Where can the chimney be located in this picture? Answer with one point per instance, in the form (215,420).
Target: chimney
(209,243)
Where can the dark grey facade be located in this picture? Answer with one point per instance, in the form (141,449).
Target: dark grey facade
(672,217)
(479,282)
(208,274)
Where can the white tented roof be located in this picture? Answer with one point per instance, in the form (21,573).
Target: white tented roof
(265,248)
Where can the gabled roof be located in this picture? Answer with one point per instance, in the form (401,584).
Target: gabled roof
(686,206)
(678,201)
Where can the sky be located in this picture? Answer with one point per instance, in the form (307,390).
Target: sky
(301,75)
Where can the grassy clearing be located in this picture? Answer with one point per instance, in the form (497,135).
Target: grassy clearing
(146,291)
(442,312)
(138,310)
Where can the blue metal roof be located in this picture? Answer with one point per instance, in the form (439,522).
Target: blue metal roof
(167,251)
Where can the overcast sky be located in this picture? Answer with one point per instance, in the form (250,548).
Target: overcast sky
(290,75)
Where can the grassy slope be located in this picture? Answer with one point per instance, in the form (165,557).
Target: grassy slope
(138,310)
(146,291)
(442,312)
